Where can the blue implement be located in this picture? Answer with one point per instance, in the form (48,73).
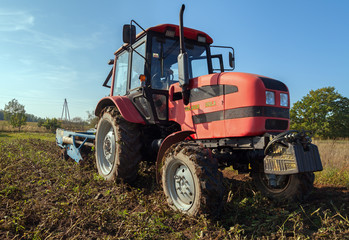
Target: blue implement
(73,141)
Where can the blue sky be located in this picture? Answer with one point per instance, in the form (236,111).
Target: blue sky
(52,50)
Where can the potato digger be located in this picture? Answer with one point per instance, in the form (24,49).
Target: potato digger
(173,102)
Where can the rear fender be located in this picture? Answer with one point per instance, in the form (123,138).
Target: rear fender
(124,105)
(167,143)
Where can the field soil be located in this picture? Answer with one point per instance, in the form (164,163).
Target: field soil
(45,197)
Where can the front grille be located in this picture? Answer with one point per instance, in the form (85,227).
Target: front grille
(275,124)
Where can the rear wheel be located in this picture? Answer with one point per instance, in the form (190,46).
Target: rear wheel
(294,187)
(191,180)
(117,147)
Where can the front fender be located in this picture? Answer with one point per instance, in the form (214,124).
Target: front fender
(168,142)
(124,105)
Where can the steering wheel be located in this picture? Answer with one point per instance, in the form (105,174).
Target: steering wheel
(163,82)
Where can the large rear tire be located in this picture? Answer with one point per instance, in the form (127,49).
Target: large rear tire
(117,146)
(294,187)
(191,180)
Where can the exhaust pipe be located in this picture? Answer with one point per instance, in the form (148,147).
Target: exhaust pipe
(183,70)
(181,34)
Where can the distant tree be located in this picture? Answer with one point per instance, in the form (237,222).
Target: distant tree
(52,124)
(324,112)
(41,122)
(14,113)
(92,119)
(78,122)
(1,115)
(32,118)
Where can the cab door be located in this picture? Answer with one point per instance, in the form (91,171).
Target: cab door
(151,103)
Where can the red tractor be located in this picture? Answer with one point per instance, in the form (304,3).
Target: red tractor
(170,103)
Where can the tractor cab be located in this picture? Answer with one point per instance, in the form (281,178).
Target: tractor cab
(147,65)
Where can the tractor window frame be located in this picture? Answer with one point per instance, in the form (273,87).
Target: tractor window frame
(135,52)
(152,35)
(122,92)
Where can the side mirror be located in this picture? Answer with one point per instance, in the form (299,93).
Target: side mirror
(129,33)
(232,60)
(183,69)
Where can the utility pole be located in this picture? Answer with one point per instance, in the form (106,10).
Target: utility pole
(66,111)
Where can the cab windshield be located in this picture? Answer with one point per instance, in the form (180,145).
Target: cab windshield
(164,66)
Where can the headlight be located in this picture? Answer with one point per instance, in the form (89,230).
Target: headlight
(269,98)
(284,99)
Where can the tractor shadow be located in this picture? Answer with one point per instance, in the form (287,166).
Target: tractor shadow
(146,178)
(241,185)
(245,206)
(329,195)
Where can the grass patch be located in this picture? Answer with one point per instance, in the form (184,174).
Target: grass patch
(29,135)
(333,176)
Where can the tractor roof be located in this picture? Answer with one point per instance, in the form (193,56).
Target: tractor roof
(189,33)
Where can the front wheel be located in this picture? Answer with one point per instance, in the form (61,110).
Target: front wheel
(191,180)
(294,187)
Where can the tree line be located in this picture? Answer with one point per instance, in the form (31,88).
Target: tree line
(30,117)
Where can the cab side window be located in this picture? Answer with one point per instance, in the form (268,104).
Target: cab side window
(121,74)
(138,62)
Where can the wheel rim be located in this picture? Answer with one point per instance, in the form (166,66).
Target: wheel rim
(181,185)
(106,147)
(282,182)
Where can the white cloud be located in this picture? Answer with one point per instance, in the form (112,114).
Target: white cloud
(51,43)
(12,22)
(15,21)
(57,44)
(51,77)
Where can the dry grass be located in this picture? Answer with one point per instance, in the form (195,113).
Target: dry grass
(334,152)
(335,160)
(29,127)
(32,127)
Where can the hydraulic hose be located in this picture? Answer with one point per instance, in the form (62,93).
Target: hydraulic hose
(289,136)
